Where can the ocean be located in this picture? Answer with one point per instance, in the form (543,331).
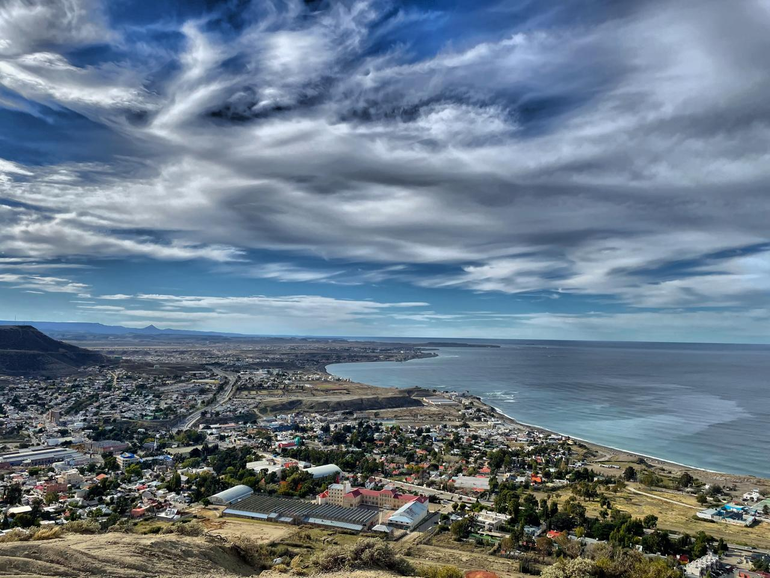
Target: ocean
(702,405)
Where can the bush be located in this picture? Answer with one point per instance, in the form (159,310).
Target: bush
(48,533)
(16,535)
(256,555)
(83,527)
(192,529)
(367,554)
(439,572)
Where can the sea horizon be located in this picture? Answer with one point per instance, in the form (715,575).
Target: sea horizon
(666,401)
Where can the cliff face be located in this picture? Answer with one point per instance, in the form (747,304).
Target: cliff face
(25,350)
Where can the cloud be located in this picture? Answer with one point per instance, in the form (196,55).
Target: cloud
(252,314)
(43,284)
(623,158)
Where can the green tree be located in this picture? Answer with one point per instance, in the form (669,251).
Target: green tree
(629,474)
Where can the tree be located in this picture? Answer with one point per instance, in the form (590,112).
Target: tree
(649,479)
(650,521)
(685,480)
(544,546)
(461,529)
(13,494)
(134,470)
(629,474)
(577,568)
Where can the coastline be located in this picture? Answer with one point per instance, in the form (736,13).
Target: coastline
(613,454)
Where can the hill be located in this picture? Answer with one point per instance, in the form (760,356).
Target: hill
(76,328)
(122,556)
(25,350)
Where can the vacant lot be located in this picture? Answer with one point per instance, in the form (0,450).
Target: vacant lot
(260,531)
(680,518)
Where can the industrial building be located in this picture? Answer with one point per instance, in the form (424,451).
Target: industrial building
(325,471)
(43,456)
(290,511)
(231,495)
(409,515)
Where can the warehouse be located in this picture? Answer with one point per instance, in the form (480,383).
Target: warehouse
(325,471)
(43,456)
(290,511)
(409,515)
(231,495)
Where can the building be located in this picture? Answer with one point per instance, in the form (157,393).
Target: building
(276,464)
(53,416)
(106,446)
(736,514)
(703,566)
(473,483)
(326,471)
(126,459)
(490,521)
(231,495)
(348,497)
(753,496)
(409,515)
(42,456)
(290,511)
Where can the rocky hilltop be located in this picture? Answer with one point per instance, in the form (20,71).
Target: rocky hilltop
(25,350)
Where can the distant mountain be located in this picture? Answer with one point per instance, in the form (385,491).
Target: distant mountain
(25,350)
(59,328)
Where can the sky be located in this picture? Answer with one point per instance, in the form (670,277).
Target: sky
(489,169)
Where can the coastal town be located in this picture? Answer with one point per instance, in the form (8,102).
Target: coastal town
(251,441)
(253,445)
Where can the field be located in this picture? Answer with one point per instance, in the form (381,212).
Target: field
(680,518)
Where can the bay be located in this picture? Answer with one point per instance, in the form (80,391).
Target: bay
(702,405)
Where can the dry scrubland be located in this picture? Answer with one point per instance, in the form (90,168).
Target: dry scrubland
(117,555)
(678,518)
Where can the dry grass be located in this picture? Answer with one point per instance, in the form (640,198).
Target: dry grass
(678,518)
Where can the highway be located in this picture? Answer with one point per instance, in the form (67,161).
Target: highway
(224,396)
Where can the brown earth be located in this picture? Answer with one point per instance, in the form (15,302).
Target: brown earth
(118,555)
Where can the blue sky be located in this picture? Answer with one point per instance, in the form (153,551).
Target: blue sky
(509,169)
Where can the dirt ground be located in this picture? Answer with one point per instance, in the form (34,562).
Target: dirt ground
(680,518)
(262,532)
(436,556)
(117,555)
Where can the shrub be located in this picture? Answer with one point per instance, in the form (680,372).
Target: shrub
(256,555)
(192,529)
(48,533)
(16,535)
(368,554)
(83,527)
(439,572)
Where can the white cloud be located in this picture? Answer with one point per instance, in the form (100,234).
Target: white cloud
(610,159)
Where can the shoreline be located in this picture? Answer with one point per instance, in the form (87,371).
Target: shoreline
(653,461)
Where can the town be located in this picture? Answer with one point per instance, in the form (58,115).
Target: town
(241,442)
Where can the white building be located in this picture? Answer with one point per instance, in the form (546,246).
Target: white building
(753,496)
(702,566)
(126,459)
(231,495)
(409,515)
(491,521)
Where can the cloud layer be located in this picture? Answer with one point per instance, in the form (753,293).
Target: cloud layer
(619,154)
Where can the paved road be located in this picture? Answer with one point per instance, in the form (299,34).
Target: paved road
(223,397)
